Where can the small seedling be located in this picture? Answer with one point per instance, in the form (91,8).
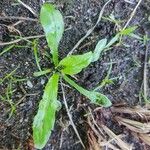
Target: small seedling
(128,31)
(112,19)
(8,76)
(107,80)
(8,98)
(9,48)
(53,24)
(35,49)
(9,91)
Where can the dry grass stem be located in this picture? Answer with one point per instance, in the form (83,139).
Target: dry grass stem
(135,126)
(28,7)
(70,116)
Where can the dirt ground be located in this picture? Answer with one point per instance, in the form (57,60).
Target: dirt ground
(79,16)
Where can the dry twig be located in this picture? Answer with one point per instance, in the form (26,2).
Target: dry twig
(17,18)
(138,110)
(70,117)
(133,125)
(119,142)
(145,73)
(145,138)
(28,7)
(132,14)
(22,38)
(102,131)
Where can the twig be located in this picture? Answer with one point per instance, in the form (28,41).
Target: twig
(145,84)
(61,140)
(145,76)
(12,28)
(123,145)
(22,38)
(70,117)
(94,121)
(90,30)
(22,98)
(28,7)
(128,1)
(132,14)
(17,18)
(18,22)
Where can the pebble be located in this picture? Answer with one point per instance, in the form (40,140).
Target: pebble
(149,18)
(26,120)
(42,81)
(21,105)
(21,120)
(29,84)
(12,65)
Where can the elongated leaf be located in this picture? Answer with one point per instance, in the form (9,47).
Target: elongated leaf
(113,40)
(7,49)
(99,99)
(95,97)
(40,73)
(73,64)
(45,118)
(35,49)
(136,36)
(128,30)
(98,49)
(53,24)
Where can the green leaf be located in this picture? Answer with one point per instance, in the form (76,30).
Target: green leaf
(128,30)
(112,41)
(45,118)
(99,99)
(73,64)
(35,50)
(136,36)
(7,49)
(53,24)
(40,73)
(95,97)
(98,49)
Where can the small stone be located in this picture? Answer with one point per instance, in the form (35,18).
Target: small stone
(149,18)
(21,105)
(26,120)
(12,65)
(29,84)
(21,120)
(42,81)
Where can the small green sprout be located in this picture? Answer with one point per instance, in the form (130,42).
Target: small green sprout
(53,25)
(10,90)
(8,98)
(107,80)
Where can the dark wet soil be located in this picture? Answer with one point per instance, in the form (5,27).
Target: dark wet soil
(79,16)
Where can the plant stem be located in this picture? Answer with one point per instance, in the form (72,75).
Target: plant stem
(76,86)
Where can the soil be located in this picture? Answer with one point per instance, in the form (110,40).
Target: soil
(80,15)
